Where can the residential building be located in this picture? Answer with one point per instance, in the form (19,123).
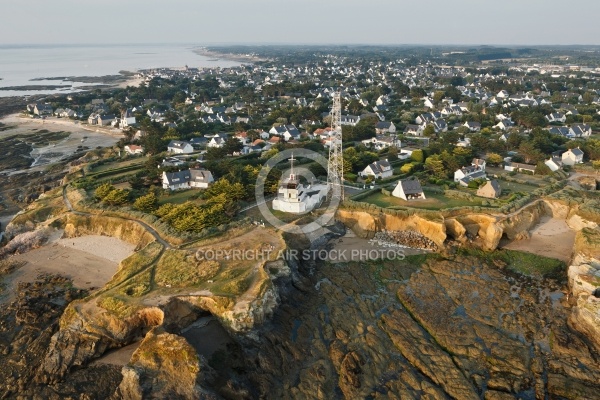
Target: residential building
(133,149)
(383,127)
(191,178)
(179,147)
(378,169)
(408,189)
(491,190)
(514,166)
(572,157)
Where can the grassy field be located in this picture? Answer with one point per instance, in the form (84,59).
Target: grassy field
(120,164)
(534,179)
(179,196)
(509,188)
(433,201)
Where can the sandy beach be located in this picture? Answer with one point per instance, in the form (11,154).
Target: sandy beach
(550,238)
(90,261)
(80,135)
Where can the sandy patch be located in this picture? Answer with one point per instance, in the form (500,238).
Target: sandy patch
(119,357)
(550,238)
(135,82)
(90,261)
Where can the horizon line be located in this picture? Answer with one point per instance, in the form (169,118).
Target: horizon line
(291,44)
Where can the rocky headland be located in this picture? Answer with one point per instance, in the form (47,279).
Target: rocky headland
(470,320)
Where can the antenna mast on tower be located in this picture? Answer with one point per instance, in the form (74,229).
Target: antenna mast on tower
(335,167)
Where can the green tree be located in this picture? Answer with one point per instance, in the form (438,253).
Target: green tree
(407,168)
(514,140)
(417,156)
(147,203)
(479,143)
(528,151)
(542,169)
(392,153)
(438,96)
(429,131)
(494,159)
(117,197)
(435,166)
(233,191)
(350,159)
(232,145)
(103,190)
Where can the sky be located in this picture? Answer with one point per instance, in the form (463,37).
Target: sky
(509,22)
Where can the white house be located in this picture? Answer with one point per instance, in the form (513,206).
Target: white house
(473,126)
(479,163)
(179,147)
(381,142)
(200,178)
(504,124)
(572,157)
(282,129)
(409,189)
(351,120)
(415,130)
(105,119)
(580,130)
(556,117)
(465,175)
(553,163)
(378,169)
(127,119)
(514,166)
(133,149)
(440,126)
(42,109)
(192,178)
(385,127)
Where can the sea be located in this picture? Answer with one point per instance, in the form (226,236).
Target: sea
(25,65)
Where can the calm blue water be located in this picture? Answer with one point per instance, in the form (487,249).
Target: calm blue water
(20,64)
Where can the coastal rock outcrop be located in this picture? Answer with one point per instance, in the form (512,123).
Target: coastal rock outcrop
(165,366)
(365,224)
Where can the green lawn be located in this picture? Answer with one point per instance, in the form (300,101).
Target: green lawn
(433,201)
(511,187)
(535,179)
(119,164)
(179,196)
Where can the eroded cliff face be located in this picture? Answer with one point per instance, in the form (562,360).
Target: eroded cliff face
(87,332)
(479,230)
(365,224)
(584,284)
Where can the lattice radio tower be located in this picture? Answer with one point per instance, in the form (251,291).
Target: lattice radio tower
(335,167)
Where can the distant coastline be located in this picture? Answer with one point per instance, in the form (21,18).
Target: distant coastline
(71,69)
(216,56)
